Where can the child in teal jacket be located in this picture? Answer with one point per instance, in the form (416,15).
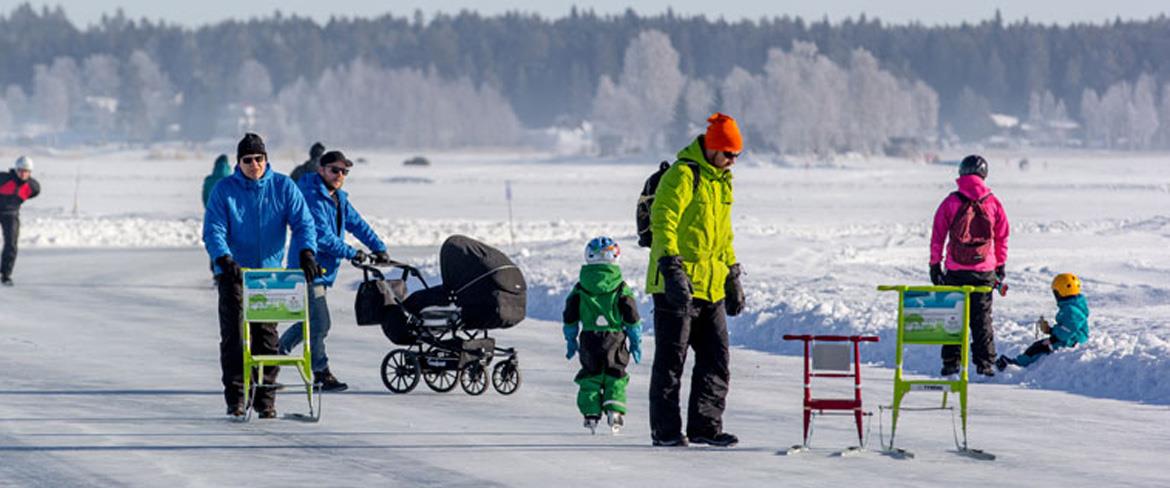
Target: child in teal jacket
(600,316)
(1072,323)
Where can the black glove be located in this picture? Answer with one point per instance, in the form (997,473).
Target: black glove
(1000,273)
(309,265)
(677,285)
(936,274)
(360,256)
(229,268)
(381,257)
(734,300)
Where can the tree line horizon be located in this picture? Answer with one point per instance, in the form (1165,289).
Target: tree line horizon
(549,71)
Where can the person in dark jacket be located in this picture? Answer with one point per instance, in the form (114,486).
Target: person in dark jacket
(310,166)
(221,170)
(972,227)
(244,226)
(333,216)
(16,187)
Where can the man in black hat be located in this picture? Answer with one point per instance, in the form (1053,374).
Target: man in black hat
(333,216)
(248,215)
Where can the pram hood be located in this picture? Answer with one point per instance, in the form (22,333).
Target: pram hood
(483,282)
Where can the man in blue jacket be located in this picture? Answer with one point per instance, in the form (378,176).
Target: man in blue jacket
(248,215)
(333,216)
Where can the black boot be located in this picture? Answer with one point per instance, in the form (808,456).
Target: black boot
(1002,362)
(325,381)
(722,439)
(949,370)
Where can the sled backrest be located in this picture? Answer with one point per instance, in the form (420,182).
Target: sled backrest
(832,356)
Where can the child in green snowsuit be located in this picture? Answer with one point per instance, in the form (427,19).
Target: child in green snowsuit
(600,316)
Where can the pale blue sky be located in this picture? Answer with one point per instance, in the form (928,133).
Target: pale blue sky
(83,12)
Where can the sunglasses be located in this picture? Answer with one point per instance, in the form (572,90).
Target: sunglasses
(730,155)
(339,170)
(252,159)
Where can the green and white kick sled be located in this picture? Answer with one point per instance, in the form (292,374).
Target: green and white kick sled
(277,295)
(934,316)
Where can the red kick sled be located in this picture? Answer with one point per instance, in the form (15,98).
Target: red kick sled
(832,356)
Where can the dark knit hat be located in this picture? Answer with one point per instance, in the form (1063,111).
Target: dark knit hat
(250,144)
(333,157)
(317,150)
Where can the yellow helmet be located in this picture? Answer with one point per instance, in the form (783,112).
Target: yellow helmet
(1066,285)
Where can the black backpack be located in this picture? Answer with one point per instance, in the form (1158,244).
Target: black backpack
(646,199)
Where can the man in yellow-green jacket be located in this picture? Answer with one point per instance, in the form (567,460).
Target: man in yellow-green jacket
(694,278)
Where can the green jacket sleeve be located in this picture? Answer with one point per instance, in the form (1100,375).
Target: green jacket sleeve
(674,193)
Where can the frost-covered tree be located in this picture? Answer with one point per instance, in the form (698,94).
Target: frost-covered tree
(1092,118)
(1164,117)
(253,83)
(1143,113)
(1126,116)
(57,93)
(638,108)
(805,103)
(103,83)
(149,96)
(364,105)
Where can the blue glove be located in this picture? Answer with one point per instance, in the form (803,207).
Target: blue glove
(634,334)
(570,340)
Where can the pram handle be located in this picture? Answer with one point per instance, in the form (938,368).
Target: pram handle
(372,269)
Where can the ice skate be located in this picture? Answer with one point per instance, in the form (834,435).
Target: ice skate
(591,423)
(616,421)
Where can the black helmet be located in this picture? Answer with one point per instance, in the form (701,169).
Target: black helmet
(973,165)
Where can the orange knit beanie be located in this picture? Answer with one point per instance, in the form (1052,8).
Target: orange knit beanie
(723,134)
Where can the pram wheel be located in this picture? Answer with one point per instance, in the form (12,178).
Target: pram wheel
(506,377)
(400,371)
(441,381)
(473,378)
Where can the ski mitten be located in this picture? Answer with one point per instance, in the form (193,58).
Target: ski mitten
(571,346)
(634,336)
(733,302)
(677,285)
(230,269)
(309,265)
(936,274)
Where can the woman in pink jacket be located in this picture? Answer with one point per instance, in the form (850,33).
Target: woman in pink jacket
(972,227)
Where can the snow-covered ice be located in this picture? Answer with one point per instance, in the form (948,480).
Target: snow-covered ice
(110,335)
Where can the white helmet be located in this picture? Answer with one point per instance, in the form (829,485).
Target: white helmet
(23,162)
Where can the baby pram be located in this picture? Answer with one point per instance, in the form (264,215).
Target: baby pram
(443,329)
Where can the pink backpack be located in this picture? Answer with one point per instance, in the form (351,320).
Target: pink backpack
(971,232)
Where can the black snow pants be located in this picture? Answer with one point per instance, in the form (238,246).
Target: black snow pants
(982,331)
(703,328)
(603,353)
(10,224)
(265,340)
